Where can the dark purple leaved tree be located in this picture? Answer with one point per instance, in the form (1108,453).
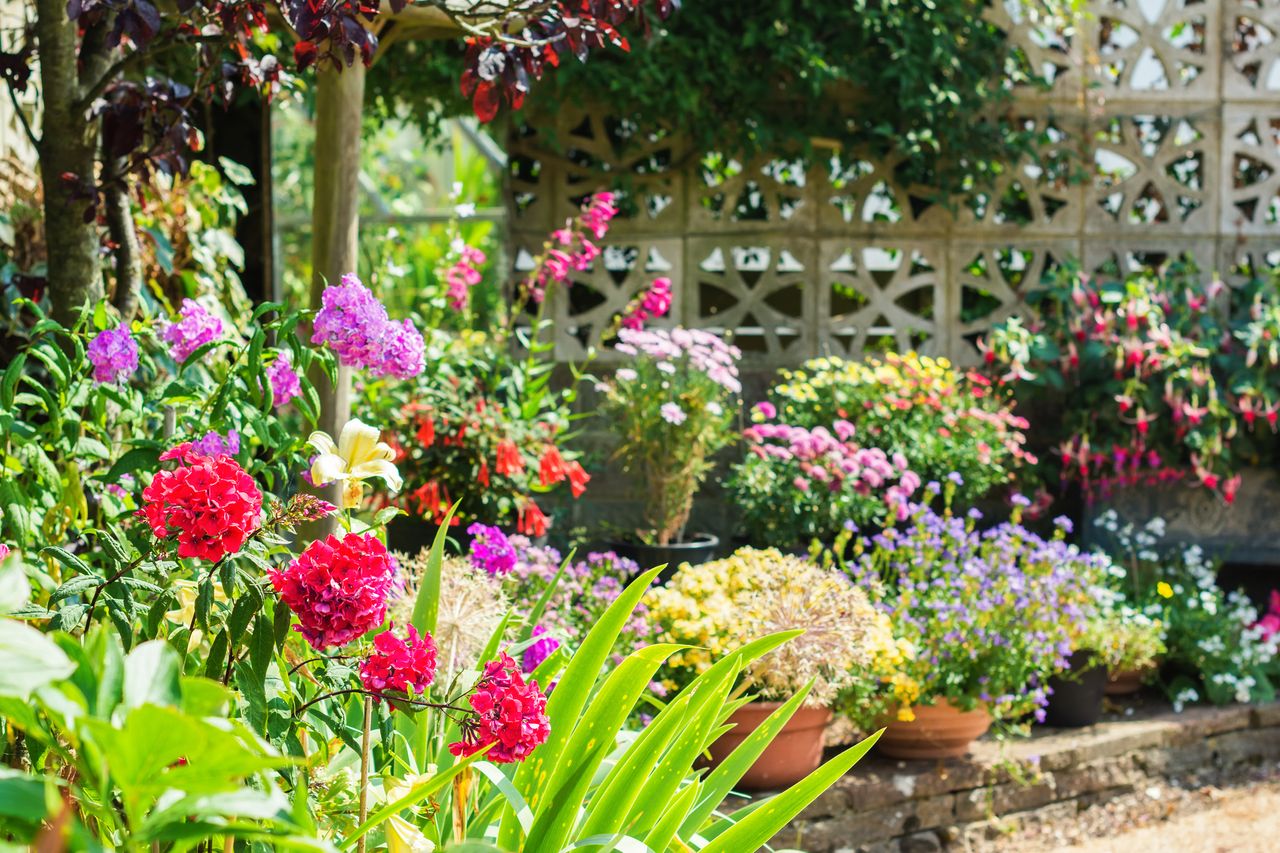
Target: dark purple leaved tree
(111,117)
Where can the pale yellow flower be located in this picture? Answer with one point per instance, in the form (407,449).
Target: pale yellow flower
(356,457)
(188,593)
(404,837)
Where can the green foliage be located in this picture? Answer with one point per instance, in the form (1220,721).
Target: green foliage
(922,81)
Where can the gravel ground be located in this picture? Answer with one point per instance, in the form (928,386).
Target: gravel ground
(1240,817)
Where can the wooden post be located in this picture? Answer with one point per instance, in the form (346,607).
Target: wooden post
(335,224)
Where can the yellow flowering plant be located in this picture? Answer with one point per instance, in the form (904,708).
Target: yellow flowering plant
(720,606)
(941,419)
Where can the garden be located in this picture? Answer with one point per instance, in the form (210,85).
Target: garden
(497,427)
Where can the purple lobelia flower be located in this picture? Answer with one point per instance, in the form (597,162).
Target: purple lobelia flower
(196,328)
(114,354)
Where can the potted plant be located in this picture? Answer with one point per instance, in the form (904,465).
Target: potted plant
(942,420)
(990,615)
(796,485)
(672,408)
(719,606)
(1129,644)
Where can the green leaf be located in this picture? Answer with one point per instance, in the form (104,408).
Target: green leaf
(28,660)
(417,794)
(137,459)
(213,667)
(10,381)
(152,675)
(22,796)
(15,589)
(427,607)
(755,830)
(76,586)
(720,781)
(66,558)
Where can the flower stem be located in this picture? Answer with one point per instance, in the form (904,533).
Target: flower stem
(461,793)
(364,768)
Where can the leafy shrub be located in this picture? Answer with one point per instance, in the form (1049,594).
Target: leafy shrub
(989,615)
(1148,380)
(941,420)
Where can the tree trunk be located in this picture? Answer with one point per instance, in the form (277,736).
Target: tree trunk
(68,146)
(119,213)
(335,221)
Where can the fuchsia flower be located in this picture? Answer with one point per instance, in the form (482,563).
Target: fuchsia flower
(196,328)
(285,382)
(114,355)
(656,302)
(338,588)
(398,665)
(509,714)
(209,502)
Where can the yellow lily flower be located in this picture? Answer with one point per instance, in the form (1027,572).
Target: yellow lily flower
(357,456)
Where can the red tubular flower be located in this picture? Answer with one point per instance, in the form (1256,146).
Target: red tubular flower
(509,714)
(426,432)
(508,460)
(209,502)
(578,479)
(552,468)
(400,665)
(532,521)
(337,588)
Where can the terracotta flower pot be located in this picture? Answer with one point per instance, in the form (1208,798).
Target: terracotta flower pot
(1126,682)
(940,730)
(793,754)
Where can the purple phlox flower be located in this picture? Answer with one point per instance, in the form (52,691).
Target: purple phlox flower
(196,328)
(114,355)
(491,550)
(285,382)
(540,650)
(214,444)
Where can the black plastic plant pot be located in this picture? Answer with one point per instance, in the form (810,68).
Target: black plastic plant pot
(699,548)
(1076,700)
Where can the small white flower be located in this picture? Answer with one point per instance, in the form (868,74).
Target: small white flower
(465,211)
(626,374)
(672,413)
(714,408)
(666,367)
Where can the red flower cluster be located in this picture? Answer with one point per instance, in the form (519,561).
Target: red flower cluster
(338,588)
(209,502)
(400,665)
(553,468)
(509,713)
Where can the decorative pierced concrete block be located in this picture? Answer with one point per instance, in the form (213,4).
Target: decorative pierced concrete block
(861,195)
(762,195)
(1154,172)
(1154,50)
(1250,172)
(1251,33)
(877,295)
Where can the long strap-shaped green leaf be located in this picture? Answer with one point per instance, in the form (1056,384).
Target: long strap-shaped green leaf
(416,729)
(570,696)
(664,831)
(416,795)
(755,830)
(613,799)
(600,724)
(720,781)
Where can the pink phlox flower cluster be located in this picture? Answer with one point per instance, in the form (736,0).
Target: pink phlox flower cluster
(196,328)
(704,351)
(401,665)
(338,588)
(354,324)
(508,713)
(114,355)
(833,460)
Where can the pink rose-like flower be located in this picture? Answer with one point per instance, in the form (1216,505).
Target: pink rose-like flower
(338,588)
(508,713)
(114,355)
(399,665)
(196,328)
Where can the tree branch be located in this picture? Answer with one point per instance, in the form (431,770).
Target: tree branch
(22,116)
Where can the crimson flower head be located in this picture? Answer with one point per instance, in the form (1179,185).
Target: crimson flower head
(508,713)
(400,665)
(209,503)
(338,588)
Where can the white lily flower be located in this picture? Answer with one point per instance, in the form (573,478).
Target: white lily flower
(357,456)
